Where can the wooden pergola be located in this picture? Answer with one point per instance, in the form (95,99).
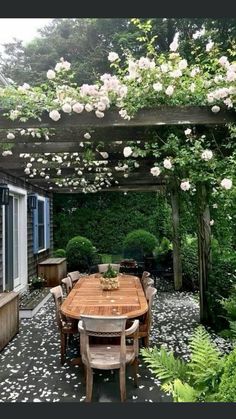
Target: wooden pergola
(112,130)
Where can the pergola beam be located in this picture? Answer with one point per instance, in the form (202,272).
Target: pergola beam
(163,115)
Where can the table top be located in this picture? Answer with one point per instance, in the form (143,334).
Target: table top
(52,261)
(88,297)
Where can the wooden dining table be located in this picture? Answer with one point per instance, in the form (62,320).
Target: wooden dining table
(88,297)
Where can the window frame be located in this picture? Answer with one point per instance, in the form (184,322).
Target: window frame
(42,199)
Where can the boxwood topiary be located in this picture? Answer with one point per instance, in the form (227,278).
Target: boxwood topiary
(59,253)
(80,253)
(139,243)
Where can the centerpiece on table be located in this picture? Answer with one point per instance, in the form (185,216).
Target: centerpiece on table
(110,279)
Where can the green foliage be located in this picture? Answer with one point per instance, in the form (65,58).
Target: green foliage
(227,387)
(197,380)
(206,363)
(140,241)
(79,253)
(106,218)
(110,273)
(59,253)
(163,364)
(189,253)
(221,280)
(164,247)
(181,392)
(105,258)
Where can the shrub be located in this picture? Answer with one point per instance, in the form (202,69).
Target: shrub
(163,252)
(227,387)
(140,243)
(80,253)
(221,280)
(59,253)
(189,252)
(188,381)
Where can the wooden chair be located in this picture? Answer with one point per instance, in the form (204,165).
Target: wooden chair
(102,267)
(146,321)
(67,328)
(68,284)
(146,280)
(106,357)
(74,276)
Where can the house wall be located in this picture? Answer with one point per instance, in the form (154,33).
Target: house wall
(33,260)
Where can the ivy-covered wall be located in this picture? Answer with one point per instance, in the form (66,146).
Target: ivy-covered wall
(105,218)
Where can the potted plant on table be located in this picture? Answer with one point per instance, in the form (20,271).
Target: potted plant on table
(109,279)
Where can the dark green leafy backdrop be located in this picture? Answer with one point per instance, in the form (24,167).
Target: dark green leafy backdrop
(105,218)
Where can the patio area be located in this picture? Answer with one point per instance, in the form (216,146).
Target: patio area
(30,369)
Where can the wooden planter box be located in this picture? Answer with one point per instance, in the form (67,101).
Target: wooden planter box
(53,270)
(9,317)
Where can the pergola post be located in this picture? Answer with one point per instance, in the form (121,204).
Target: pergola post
(204,248)
(177,263)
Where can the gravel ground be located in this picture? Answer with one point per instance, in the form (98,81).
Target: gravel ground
(30,369)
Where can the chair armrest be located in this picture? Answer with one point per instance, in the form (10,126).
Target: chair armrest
(80,326)
(132,328)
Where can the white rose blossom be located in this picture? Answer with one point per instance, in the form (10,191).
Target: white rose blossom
(87,136)
(212,222)
(113,56)
(127,151)
(215,109)
(185,185)
(183,64)
(88,107)
(99,114)
(188,131)
(167,164)
(51,74)
(66,108)
(174,46)
(209,46)
(155,171)
(78,107)
(226,183)
(10,136)
(207,155)
(7,153)
(54,115)
(157,87)
(169,91)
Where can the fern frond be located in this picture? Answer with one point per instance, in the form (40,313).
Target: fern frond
(181,392)
(164,365)
(206,361)
(232,326)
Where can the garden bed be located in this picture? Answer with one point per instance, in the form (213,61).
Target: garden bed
(32,300)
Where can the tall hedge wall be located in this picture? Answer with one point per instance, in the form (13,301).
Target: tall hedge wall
(105,218)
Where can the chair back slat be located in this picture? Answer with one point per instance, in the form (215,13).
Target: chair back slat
(68,284)
(58,298)
(74,276)
(103,267)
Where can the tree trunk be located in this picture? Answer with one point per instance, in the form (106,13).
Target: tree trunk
(177,263)
(204,249)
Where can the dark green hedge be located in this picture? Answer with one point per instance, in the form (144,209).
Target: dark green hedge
(105,218)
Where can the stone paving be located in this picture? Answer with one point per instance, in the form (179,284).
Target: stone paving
(30,369)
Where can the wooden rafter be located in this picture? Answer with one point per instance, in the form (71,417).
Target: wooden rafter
(163,115)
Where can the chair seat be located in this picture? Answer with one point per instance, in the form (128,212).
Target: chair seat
(108,357)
